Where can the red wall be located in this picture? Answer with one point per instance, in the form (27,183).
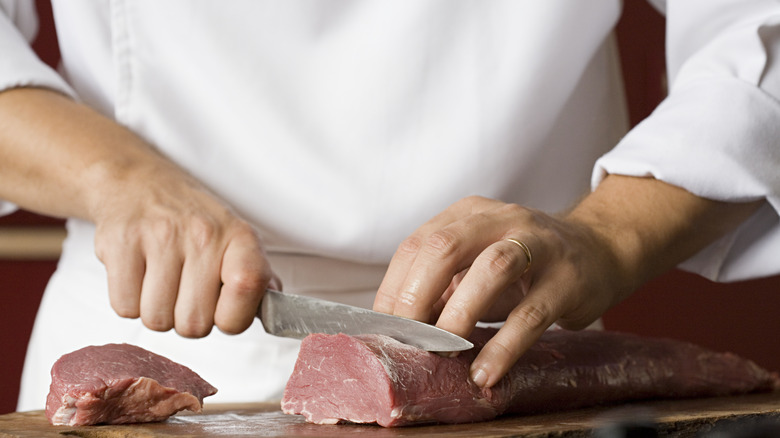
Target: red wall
(740,317)
(21,288)
(22,281)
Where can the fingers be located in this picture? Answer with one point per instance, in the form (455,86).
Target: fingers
(438,307)
(125,269)
(491,275)
(196,295)
(525,324)
(425,263)
(399,265)
(186,278)
(159,290)
(406,254)
(245,274)
(465,236)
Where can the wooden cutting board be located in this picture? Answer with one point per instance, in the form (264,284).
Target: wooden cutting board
(672,418)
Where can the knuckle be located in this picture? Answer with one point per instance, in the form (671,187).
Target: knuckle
(193,322)
(532,317)
(408,298)
(500,262)
(500,349)
(125,311)
(109,238)
(245,282)
(442,244)
(460,312)
(384,299)
(238,228)
(410,246)
(193,328)
(472,200)
(515,210)
(244,227)
(163,231)
(232,327)
(411,305)
(243,293)
(157,323)
(581,315)
(523,215)
(202,230)
(469,200)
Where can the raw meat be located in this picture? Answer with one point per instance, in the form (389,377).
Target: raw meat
(376,379)
(121,383)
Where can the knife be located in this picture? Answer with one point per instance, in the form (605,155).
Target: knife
(296,316)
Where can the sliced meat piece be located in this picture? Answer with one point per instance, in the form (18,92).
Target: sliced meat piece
(375,379)
(121,383)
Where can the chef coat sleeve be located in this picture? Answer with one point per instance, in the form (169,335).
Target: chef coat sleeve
(717,134)
(19,66)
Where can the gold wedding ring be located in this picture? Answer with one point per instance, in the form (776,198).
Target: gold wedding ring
(527,252)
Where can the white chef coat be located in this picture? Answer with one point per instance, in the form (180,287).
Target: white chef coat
(337,127)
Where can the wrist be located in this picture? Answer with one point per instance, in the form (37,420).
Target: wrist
(651,226)
(620,247)
(638,221)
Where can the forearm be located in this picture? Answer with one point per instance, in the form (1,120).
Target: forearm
(61,158)
(651,226)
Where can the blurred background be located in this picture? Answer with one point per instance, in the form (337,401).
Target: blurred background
(738,317)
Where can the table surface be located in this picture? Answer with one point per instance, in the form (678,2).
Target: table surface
(671,417)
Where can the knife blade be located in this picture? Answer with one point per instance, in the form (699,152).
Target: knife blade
(296,316)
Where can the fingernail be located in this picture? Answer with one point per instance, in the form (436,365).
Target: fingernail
(479,376)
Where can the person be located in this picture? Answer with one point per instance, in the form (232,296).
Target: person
(431,159)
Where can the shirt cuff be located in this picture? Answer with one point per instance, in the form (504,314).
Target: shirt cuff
(718,139)
(21,67)
(6,208)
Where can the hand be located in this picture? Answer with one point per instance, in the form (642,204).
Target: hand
(459,268)
(177,257)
